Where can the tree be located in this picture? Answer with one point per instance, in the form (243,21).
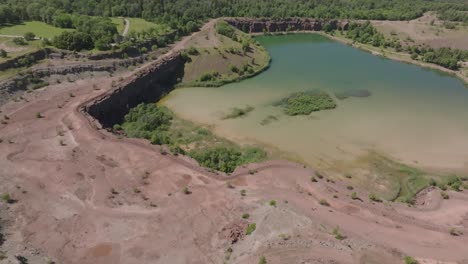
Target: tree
(73,41)
(3,53)
(29,36)
(19,41)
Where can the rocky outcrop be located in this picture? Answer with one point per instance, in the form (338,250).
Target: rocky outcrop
(148,85)
(254,25)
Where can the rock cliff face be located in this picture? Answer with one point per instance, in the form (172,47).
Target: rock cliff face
(253,25)
(20,82)
(149,85)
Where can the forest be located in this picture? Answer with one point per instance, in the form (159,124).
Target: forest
(181,11)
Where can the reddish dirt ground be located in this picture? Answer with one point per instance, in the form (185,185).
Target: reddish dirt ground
(83,195)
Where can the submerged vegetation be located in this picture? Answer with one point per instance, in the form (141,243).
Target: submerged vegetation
(238,112)
(304,103)
(159,125)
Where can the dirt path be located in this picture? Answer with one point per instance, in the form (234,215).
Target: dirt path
(127,27)
(86,196)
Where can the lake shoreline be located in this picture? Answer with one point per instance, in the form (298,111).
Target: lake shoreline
(390,55)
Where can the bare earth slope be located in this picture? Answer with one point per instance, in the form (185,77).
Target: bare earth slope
(85,196)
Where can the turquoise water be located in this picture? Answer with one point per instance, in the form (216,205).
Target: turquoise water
(414,115)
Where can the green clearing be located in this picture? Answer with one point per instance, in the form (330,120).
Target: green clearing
(41,29)
(139,24)
(14,50)
(119,23)
(136,24)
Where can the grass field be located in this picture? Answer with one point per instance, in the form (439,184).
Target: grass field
(119,23)
(136,24)
(41,29)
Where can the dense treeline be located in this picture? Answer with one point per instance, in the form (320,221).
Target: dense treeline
(182,11)
(155,123)
(90,32)
(446,57)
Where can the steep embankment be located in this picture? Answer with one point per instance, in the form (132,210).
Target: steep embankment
(148,85)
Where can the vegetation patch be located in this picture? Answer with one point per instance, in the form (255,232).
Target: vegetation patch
(268,120)
(227,56)
(226,159)
(304,103)
(352,93)
(159,125)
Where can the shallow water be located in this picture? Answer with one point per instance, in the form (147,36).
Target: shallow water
(415,115)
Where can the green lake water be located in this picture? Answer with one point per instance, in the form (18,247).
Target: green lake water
(415,115)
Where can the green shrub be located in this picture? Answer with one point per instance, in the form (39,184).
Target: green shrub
(318,174)
(324,202)
(444,195)
(192,51)
(3,53)
(337,234)
(148,121)
(272,203)
(226,159)
(186,190)
(19,41)
(243,192)
(245,216)
(354,196)
(209,76)
(262,260)
(29,36)
(455,232)
(374,197)
(6,198)
(233,68)
(250,228)
(410,260)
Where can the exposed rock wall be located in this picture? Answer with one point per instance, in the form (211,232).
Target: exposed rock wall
(253,25)
(149,85)
(20,82)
